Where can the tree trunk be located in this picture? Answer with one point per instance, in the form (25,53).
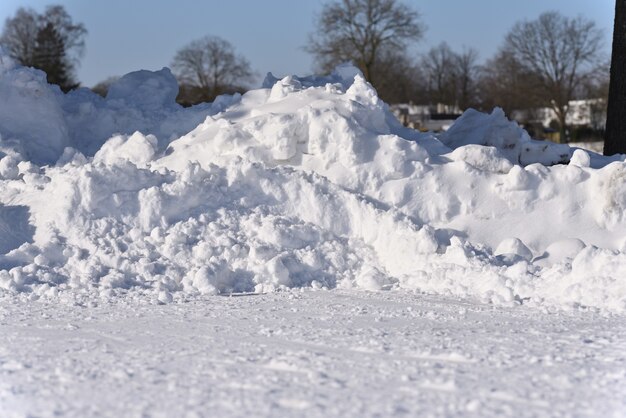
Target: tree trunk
(367,72)
(561,115)
(563,126)
(615,136)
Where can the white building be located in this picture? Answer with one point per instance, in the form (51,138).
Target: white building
(589,113)
(435,118)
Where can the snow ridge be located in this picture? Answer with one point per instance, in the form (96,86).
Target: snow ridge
(306,182)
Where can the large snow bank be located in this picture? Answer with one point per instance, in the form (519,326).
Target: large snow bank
(305,182)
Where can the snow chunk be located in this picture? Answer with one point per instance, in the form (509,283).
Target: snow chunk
(8,167)
(482,158)
(282,88)
(560,252)
(138,149)
(580,158)
(211,280)
(514,246)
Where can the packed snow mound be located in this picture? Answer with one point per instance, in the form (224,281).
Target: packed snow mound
(309,181)
(348,136)
(146,90)
(141,101)
(32,122)
(38,121)
(137,149)
(474,127)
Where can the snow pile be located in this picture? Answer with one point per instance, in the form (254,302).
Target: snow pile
(512,141)
(305,182)
(31,120)
(38,121)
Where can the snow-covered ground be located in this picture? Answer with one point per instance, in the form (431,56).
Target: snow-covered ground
(124,221)
(311,353)
(590,146)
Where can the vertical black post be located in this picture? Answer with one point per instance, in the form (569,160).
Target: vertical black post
(615,137)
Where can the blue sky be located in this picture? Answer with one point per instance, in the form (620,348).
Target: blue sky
(127,35)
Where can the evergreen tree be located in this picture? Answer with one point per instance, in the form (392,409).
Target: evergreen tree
(50,56)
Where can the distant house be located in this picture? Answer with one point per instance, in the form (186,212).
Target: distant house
(435,118)
(585,118)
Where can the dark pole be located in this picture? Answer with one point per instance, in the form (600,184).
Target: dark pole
(615,136)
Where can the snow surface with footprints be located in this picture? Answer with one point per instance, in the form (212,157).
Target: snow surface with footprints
(343,353)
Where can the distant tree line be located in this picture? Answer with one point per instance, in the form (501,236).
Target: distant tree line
(546,62)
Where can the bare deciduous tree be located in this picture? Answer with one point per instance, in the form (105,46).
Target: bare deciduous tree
(504,83)
(466,71)
(19,36)
(364,32)
(403,80)
(438,65)
(615,137)
(211,66)
(51,42)
(451,77)
(560,52)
